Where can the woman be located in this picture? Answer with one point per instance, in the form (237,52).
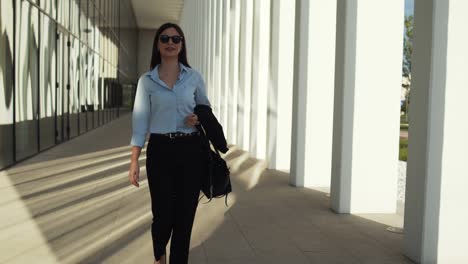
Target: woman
(164,103)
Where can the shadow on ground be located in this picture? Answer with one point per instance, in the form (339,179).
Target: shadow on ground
(77,195)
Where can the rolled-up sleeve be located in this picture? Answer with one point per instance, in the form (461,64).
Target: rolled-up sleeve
(141,115)
(200,93)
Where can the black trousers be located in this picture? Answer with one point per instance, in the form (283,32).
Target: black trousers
(174,167)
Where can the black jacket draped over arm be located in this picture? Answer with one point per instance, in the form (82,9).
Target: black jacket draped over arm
(213,129)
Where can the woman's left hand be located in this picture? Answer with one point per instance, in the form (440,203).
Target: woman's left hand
(191,120)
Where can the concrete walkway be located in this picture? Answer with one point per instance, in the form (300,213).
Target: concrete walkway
(73,204)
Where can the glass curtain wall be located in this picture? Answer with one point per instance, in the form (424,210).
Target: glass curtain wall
(26,79)
(6,82)
(58,72)
(47,75)
(62,93)
(96,63)
(83,65)
(74,103)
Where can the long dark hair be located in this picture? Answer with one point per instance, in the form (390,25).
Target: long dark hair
(156,56)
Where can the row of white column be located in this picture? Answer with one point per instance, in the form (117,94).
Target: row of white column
(313,86)
(246,55)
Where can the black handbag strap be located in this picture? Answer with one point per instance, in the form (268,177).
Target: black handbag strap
(203,134)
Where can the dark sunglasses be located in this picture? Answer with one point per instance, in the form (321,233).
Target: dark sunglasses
(175,39)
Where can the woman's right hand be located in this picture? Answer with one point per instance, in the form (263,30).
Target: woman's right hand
(134,173)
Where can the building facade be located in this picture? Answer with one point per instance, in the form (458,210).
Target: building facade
(60,71)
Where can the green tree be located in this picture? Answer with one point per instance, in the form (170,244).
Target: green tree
(408,46)
(407,54)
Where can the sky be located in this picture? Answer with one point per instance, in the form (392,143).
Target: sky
(409,7)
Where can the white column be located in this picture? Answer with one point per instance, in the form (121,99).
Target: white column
(205,37)
(367,102)
(260,78)
(229,70)
(213,52)
(234,69)
(198,37)
(188,24)
(202,36)
(193,51)
(219,66)
(313,93)
(218,58)
(281,93)
(208,45)
(210,80)
(225,67)
(245,60)
(437,173)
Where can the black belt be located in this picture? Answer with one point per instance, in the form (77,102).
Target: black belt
(177,135)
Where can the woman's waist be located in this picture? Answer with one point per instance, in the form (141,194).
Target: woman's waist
(156,128)
(175,135)
(174,142)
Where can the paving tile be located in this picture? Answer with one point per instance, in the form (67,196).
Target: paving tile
(284,255)
(41,254)
(332,257)
(77,202)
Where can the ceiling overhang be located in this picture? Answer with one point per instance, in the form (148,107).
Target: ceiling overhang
(151,14)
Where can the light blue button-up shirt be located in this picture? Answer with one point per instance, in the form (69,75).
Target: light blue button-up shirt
(160,109)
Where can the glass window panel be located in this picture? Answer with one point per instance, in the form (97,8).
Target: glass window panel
(112,58)
(101,91)
(105,32)
(84,21)
(48,81)
(62,81)
(75,17)
(97,45)
(74,100)
(63,7)
(6,82)
(59,92)
(91,89)
(106,93)
(83,88)
(116,17)
(90,26)
(49,7)
(60,13)
(111,18)
(127,95)
(27,59)
(66,88)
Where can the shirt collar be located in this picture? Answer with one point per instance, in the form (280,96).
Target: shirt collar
(154,74)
